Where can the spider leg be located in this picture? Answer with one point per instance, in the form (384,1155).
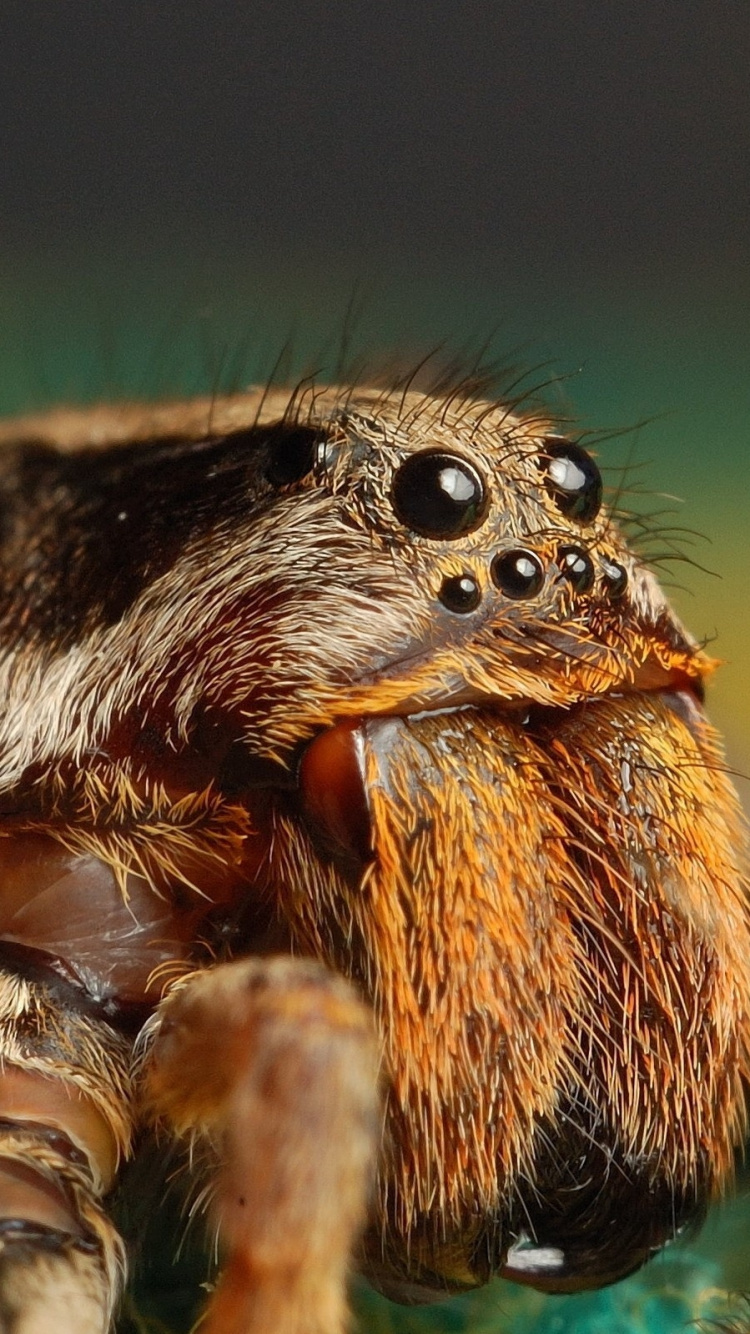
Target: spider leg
(270,1066)
(64,1126)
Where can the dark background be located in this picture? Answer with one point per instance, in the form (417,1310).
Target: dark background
(535,134)
(183,185)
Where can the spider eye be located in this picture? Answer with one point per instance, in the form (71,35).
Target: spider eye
(291,455)
(518,574)
(577,567)
(461,593)
(573,480)
(615,578)
(439,495)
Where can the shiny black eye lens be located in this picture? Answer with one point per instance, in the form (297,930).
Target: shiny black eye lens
(573,480)
(577,567)
(439,495)
(615,578)
(291,455)
(518,574)
(460,593)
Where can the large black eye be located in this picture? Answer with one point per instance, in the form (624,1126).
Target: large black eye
(291,455)
(573,479)
(518,574)
(439,495)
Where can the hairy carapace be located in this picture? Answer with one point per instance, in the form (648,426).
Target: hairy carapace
(371,680)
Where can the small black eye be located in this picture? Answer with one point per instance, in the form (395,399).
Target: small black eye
(577,567)
(460,593)
(291,455)
(439,495)
(518,574)
(615,578)
(573,480)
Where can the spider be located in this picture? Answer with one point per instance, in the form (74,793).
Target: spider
(363,836)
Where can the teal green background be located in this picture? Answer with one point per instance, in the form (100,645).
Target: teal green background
(662,355)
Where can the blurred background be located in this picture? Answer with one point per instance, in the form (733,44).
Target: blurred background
(185,187)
